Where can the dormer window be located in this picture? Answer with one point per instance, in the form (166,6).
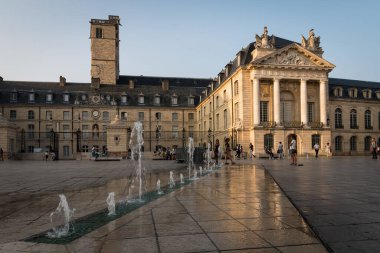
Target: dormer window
(108,98)
(157,99)
(49,97)
(353,93)
(141,99)
(191,100)
(377,94)
(174,99)
(338,92)
(66,97)
(31,97)
(13,97)
(124,98)
(84,97)
(367,93)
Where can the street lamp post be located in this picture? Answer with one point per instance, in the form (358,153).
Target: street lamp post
(209,135)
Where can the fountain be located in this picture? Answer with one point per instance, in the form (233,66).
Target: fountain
(195,177)
(200,170)
(208,156)
(135,143)
(111,203)
(158,187)
(62,214)
(181,177)
(171,180)
(190,151)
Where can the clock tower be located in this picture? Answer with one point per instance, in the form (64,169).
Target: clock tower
(104,35)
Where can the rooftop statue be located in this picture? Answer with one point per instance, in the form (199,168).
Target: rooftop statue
(263,40)
(311,43)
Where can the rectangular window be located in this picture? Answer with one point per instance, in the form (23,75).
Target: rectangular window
(156,100)
(217,122)
(48,130)
(263,111)
(315,139)
(225,96)
(66,151)
(175,132)
(66,131)
(141,116)
(310,112)
(174,100)
(236,88)
(158,116)
(85,115)
(66,98)
(191,117)
(49,115)
(31,131)
(191,131)
(174,116)
(123,115)
(30,114)
(85,133)
(49,98)
(14,97)
(13,114)
(66,115)
(99,33)
(141,100)
(106,115)
(191,100)
(225,119)
(236,116)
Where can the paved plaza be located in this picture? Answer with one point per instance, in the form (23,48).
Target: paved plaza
(254,206)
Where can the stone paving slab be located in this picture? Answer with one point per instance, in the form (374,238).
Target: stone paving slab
(235,209)
(339,198)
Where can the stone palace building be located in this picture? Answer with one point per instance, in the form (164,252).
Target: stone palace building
(273,90)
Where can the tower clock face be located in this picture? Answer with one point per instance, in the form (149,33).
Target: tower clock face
(95,114)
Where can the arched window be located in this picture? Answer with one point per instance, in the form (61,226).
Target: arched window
(315,138)
(367,143)
(338,143)
(353,119)
(268,140)
(30,114)
(338,92)
(338,118)
(353,141)
(367,120)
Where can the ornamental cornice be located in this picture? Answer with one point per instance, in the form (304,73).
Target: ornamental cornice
(289,74)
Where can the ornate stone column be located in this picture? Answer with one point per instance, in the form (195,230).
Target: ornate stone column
(303,101)
(256,102)
(276,100)
(322,101)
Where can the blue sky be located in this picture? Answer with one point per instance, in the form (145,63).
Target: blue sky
(43,39)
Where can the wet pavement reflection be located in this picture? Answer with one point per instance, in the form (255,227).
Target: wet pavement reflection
(237,207)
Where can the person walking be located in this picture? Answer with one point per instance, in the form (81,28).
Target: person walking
(293,151)
(216,151)
(328,149)
(251,155)
(227,149)
(316,149)
(374,149)
(280,150)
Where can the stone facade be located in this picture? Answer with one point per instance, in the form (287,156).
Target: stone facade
(273,90)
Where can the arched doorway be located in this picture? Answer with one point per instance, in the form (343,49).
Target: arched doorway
(290,138)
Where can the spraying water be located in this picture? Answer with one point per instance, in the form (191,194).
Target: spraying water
(111,203)
(209,156)
(135,144)
(181,177)
(200,170)
(63,213)
(171,180)
(158,187)
(190,151)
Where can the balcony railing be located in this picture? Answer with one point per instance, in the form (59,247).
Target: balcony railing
(339,127)
(315,124)
(369,127)
(292,124)
(268,124)
(354,126)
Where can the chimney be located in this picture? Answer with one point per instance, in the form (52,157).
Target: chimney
(131,84)
(220,76)
(62,81)
(165,85)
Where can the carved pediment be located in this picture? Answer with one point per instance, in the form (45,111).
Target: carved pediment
(293,56)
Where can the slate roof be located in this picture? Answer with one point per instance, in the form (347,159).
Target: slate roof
(147,85)
(347,83)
